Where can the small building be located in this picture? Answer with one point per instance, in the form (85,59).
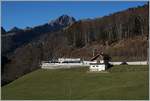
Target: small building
(102,62)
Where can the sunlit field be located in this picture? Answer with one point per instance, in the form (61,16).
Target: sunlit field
(120,82)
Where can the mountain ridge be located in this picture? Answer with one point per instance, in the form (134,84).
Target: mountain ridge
(19,36)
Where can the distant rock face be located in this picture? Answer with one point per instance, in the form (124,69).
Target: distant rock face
(3,30)
(64,20)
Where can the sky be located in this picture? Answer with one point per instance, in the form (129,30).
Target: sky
(24,14)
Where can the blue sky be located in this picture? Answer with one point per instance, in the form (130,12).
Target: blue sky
(32,13)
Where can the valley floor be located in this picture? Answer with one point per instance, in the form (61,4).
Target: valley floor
(120,82)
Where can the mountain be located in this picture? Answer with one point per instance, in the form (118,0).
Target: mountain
(15,30)
(17,37)
(63,20)
(123,35)
(3,31)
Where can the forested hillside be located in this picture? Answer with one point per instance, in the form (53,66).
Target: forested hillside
(122,35)
(112,28)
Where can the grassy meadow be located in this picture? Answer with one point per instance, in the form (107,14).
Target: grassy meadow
(120,82)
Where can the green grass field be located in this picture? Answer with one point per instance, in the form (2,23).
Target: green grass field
(121,82)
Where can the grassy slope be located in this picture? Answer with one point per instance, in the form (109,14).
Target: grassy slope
(123,82)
